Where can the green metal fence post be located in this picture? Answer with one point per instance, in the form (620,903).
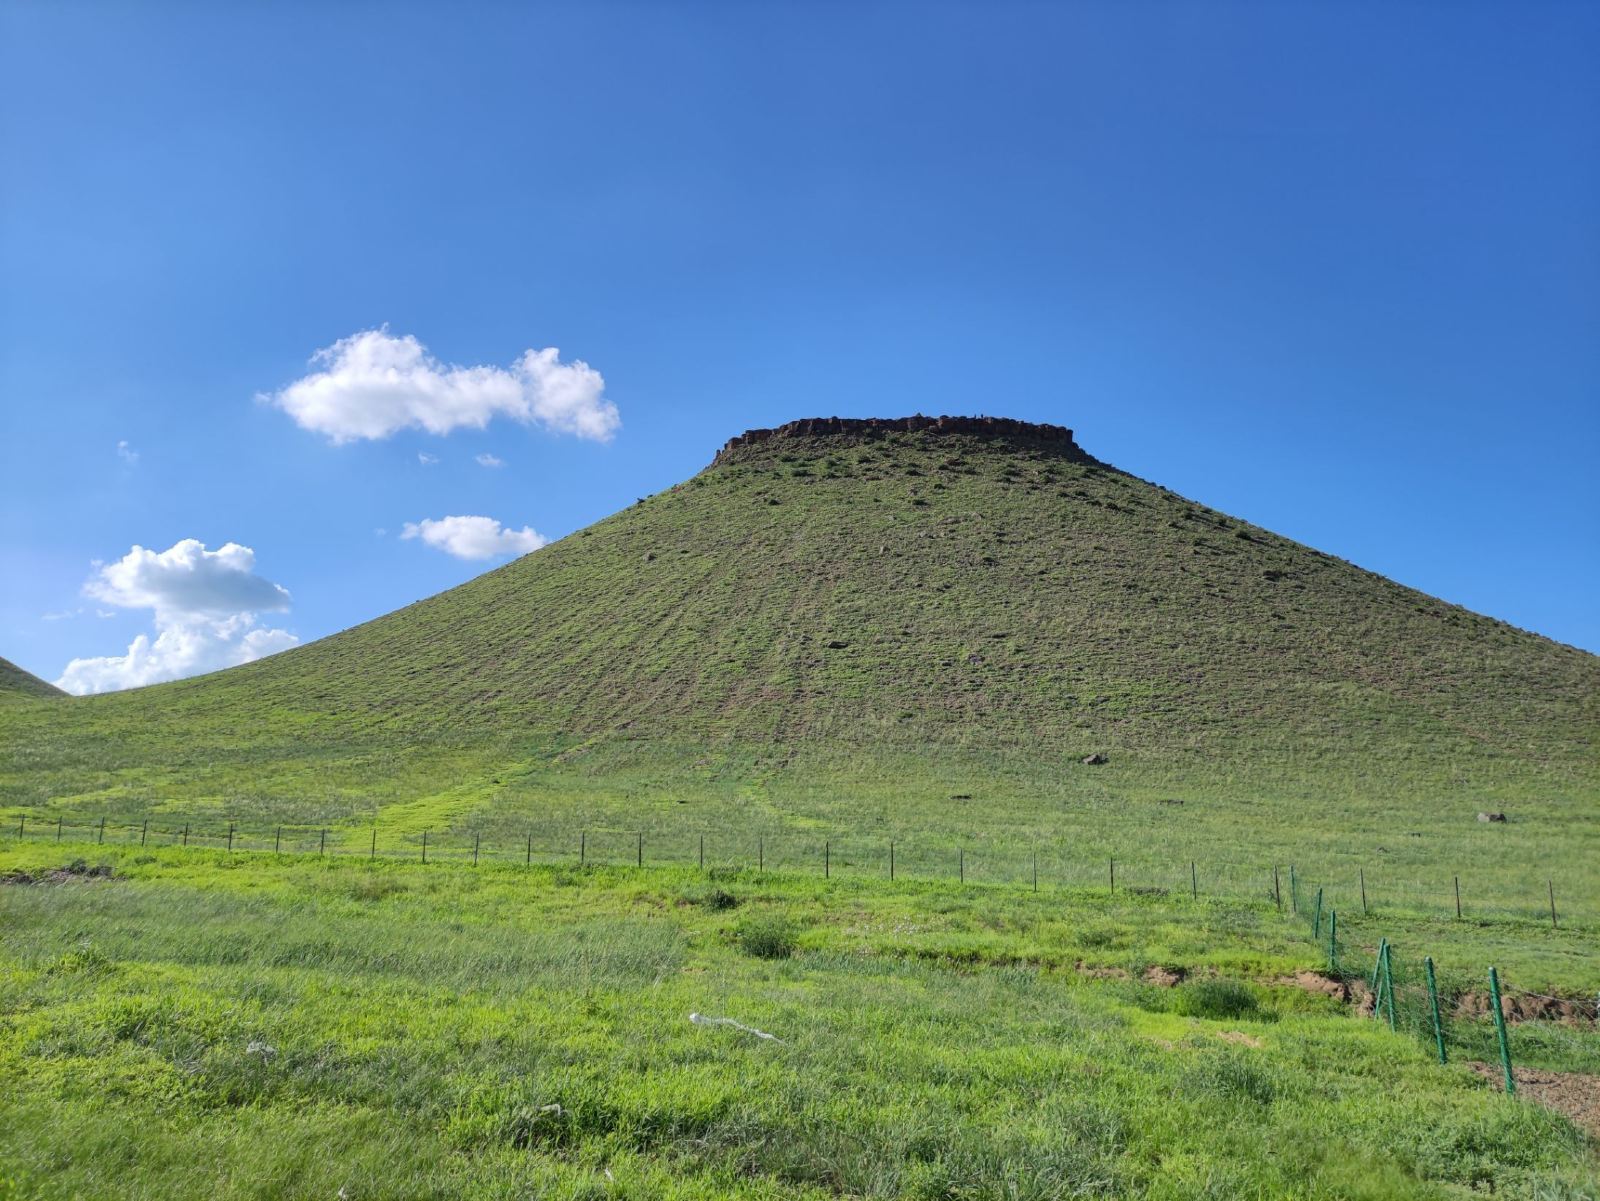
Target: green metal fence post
(1277,889)
(1500,1030)
(827,859)
(1294,891)
(1388,979)
(1363,873)
(1433,1000)
(1316,922)
(891,859)
(1552,886)
(1194,882)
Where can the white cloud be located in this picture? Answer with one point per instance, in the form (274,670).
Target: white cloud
(474,537)
(488,460)
(426,459)
(126,453)
(373,384)
(205,604)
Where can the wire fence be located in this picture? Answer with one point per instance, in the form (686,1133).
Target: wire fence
(1538,902)
(1460,1013)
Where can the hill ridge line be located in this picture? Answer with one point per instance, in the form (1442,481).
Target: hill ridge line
(1036,434)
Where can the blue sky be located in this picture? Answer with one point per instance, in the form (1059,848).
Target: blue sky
(1334,269)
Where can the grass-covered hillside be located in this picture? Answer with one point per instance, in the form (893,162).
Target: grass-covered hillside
(16,684)
(858,628)
(183,1023)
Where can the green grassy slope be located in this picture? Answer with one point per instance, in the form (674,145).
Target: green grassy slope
(913,634)
(205,1024)
(16,684)
(913,589)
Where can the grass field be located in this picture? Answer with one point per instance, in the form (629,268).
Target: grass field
(813,652)
(251,1026)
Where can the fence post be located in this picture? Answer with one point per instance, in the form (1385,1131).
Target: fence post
(1363,872)
(827,859)
(424,846)
(185,833)
(322,847)
(583,847)
(1433,1000)
(230,838)
(476,837)
(1036,871)
(640,862)
(1316,921)
(1457,879)
(1194,882)
(528,862)
(961,864)
(144,831)
(702,852)
(1377,974)
(1500,1030)
(277,841)
(58,829)
(891,859)
(1388,979)
(102,829)
(374,852)
(1552,885)
(1277,889)
(1294,891)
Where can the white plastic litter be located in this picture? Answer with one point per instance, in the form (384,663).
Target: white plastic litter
(700,1019)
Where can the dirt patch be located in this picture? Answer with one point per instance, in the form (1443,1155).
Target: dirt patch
(1524,1007)
(1570,1093)
(74,871)
(1163,977)
(1100,973)
(1240,1037)
(1316,982)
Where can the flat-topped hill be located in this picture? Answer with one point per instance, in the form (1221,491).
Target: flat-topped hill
(973,584)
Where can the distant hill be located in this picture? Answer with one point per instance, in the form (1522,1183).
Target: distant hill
(895,587)
(16,684)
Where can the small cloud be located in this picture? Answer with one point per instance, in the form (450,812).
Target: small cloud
(62,615)
(373,384)
(126,453)
(488,460)
(427,460)
(380,531)
(474,537)
(204,603)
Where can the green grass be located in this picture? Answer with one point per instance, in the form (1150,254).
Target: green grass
(669,670)
(247,1026)
(18,685)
